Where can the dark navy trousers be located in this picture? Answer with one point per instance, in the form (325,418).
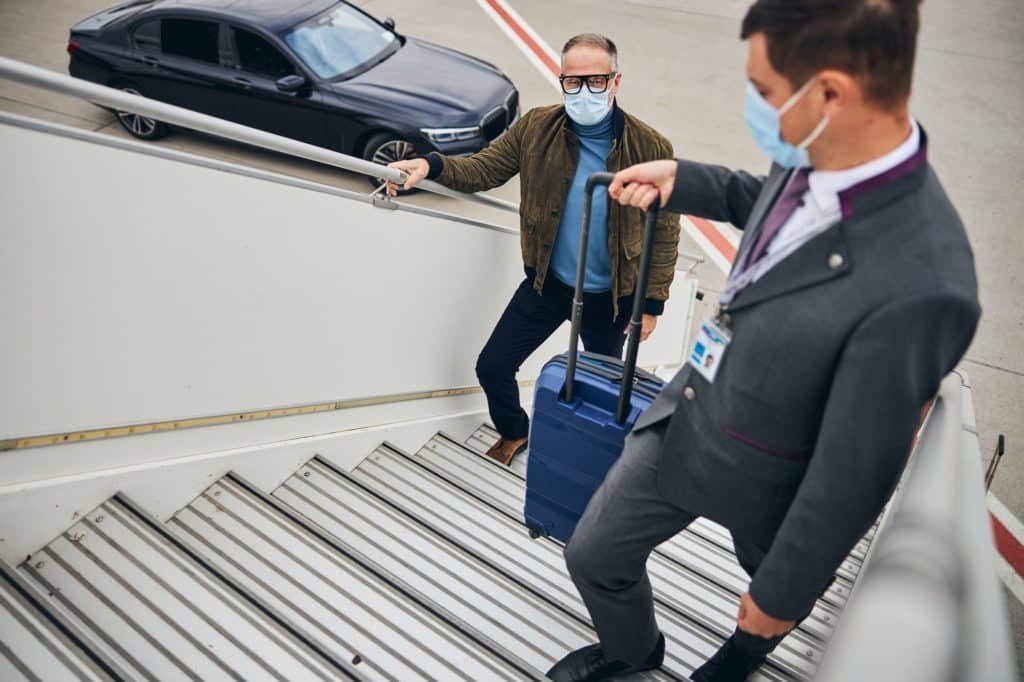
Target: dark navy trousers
(529,319)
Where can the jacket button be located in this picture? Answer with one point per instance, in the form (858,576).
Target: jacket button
(689,393)
(554,211)
(565,180)
(835,261)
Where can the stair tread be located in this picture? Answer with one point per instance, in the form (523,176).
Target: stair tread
(342,604)
(154,610)
(32,647)
(529,627)
(505,545)
(694,553)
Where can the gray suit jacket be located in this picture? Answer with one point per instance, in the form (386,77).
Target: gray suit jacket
(804,433)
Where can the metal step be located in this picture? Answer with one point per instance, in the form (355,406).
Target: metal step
(680,547)
(526,625)
(159,611)
(490,535)
(687,555)
(324,589)
(36,645)
(695,592)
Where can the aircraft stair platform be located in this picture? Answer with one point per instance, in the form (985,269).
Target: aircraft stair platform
(409,567)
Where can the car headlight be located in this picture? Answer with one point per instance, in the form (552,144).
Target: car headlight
(443,135)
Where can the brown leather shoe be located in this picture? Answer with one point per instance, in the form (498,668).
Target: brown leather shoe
(504,450)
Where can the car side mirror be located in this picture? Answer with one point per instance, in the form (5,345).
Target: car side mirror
(291,83)
(389,24)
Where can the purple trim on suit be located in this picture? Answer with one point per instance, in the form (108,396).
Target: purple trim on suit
(792,457)
(848,195)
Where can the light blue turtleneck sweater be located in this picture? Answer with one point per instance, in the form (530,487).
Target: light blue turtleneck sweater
(595,145)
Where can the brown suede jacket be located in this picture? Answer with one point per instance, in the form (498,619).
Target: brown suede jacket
(544,151)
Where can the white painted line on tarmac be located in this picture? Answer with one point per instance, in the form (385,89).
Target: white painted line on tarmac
(1006,517)
(1008,534)
(526,39)
(1014,583)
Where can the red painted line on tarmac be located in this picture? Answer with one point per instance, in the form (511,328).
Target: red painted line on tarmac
(1008,545)
(716,238)
(524,35)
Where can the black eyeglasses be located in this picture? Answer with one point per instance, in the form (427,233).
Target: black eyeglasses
(596,83)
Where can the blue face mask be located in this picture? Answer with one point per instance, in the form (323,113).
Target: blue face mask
(765,123)
(588,108)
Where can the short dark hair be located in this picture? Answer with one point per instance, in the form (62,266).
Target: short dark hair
(873,40)
(594,40)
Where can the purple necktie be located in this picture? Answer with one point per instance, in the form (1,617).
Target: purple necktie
(792,197)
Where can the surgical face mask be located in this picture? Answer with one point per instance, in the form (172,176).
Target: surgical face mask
(765,123)
(588,108)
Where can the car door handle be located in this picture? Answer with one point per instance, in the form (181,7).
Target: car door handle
(243,83)
(152,61)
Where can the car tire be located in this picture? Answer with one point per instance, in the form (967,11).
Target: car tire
(385,148)
(139,126)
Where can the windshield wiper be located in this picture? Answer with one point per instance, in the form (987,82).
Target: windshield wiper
(386,54)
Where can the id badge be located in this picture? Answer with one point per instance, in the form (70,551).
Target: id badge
(709,349)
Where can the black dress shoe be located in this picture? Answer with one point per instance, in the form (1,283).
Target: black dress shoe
(729,664)
(589,665)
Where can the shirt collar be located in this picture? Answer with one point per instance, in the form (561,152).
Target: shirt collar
(825,186)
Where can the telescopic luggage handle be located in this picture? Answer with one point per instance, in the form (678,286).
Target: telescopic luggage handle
(639,295)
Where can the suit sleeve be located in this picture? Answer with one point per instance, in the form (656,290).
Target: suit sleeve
(714,192)
(492,167)
(891,366)
(664,251)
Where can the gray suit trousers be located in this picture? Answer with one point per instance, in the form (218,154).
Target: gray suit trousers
(607,555)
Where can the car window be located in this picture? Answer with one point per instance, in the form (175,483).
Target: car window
(256,55)
(190,38)
(147,35)
(340,40)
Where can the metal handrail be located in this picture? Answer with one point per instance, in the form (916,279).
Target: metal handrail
(52,81)
(929,606)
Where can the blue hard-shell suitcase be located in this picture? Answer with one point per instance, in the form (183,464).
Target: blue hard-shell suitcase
(584,406)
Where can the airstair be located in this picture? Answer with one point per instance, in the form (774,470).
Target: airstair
(211,471)
(408,567)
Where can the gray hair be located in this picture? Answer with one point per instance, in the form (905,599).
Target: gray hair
(594,40)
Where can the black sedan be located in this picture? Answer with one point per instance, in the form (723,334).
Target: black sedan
(319,71)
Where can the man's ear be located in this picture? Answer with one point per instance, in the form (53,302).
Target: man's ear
(837,90)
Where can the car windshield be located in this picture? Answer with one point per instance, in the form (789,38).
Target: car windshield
(340,40)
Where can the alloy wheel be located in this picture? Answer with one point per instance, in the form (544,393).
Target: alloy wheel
(138,125)
(391,151)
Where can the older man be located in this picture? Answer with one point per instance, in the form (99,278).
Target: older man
(852,295)
(554,149)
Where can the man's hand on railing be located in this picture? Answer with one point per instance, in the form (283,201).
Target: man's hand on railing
(415,169)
